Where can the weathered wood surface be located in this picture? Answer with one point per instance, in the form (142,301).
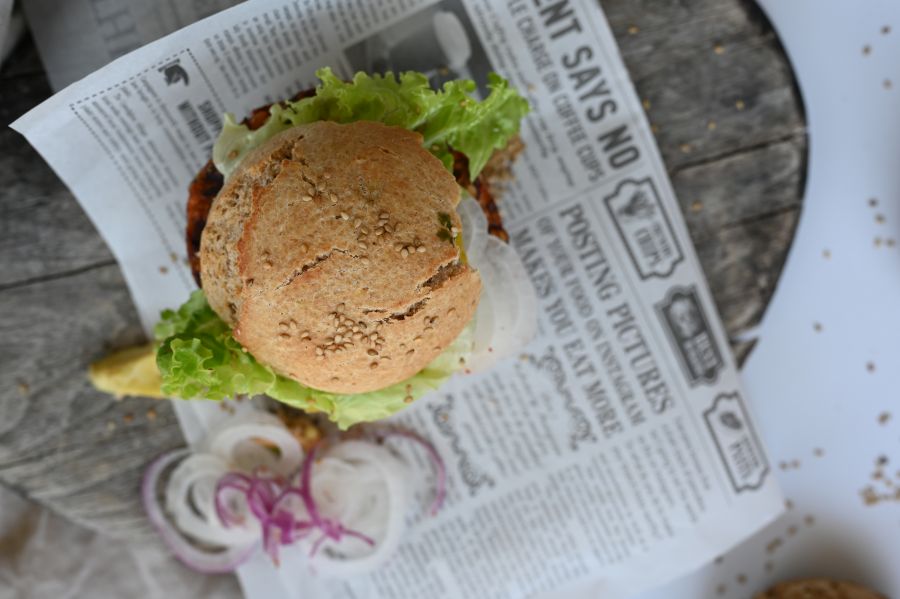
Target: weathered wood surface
(730,126)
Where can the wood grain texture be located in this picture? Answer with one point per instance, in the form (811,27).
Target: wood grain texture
(729,124)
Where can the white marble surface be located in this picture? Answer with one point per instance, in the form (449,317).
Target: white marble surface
(824,379)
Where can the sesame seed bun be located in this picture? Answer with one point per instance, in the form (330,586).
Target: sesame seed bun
(324,253)
(819,589)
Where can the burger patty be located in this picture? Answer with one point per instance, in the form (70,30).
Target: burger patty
(209,181)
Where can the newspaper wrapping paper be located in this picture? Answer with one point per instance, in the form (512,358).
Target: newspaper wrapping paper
(617,451)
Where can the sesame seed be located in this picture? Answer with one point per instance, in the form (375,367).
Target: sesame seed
(362,245)
(451,311)
(338,338)
(365,260)
(345,216)
(304,248)
(355,329)
(408,399)
(284,335)
(267,264)
(293,324)
(388,228)
(333,198)
(373,365)
(306,198)
(410,352)
(282,326)
(379,232)
(341,307)
(404,252)
(421,249)
(357,224)
(384,216)
(417,339)
(305,335)
(357,335)
(342,330)
(372,352)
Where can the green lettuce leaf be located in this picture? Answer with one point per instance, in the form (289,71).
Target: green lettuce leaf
(199,359)
(448,119)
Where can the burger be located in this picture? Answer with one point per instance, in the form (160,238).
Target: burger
(329,238)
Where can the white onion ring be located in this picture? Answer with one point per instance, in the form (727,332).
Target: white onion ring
(190,498)
(236,443)
(506,319)
(474,227)
(365,461)
(199,560)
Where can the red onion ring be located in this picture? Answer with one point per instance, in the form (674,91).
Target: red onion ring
(267,497)
(199,560)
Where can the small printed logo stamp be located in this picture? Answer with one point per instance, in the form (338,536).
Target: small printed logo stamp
(736,441)
(174,72)
(688,329)
(644,227)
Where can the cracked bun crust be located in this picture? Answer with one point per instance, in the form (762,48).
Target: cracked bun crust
(327,251)
(819,589)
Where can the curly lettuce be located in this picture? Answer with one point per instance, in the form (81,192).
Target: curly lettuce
(199,359)
(448,119)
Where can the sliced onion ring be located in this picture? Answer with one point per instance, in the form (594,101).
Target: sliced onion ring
(195,558)
(474,227)
(393,472)
(190,498)
(506,319)
(247,444)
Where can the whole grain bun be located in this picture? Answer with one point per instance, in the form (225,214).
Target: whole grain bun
(819,588)
(327,251)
